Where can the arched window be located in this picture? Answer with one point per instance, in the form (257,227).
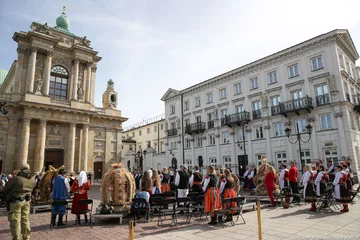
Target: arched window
(58,82)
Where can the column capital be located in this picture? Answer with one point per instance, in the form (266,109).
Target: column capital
(42,121)
(94,68)
(26,119)
(49,52)
(86,125)
(34,49)
(76,61)
(89,64)
(21,50)
(72,124)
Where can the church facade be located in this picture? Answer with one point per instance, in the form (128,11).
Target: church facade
(49,93)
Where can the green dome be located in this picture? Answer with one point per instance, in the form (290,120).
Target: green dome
(63,21)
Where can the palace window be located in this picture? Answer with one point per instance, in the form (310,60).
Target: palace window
(331,154)
(240,135)
(326,121)
(58,82)
(172,109)
(227,161)
(258,157)
(316,63)
(272,77)
(186,105)
(222,93)
(301,124)
(209,98)
(259,132)
(293,70)
(211,140)
(278,129)
(239,108)
(254,83)
(197,102)
(199,142)
(187,144)
(223,113)
(237,88)
(280,158)
(305,157)
(275,100)
(225,137)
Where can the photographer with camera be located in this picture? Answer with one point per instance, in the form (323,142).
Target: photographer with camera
(18,202)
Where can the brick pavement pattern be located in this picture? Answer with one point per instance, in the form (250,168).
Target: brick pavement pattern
(277,223)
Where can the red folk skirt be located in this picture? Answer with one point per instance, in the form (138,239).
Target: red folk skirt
(165,187)
(75,206)
(229,193)
(212,201)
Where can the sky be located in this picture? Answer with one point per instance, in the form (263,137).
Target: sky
(150,46)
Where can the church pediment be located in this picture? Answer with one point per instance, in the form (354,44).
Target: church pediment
(170,93)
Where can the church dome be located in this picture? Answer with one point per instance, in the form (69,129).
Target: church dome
(62,21)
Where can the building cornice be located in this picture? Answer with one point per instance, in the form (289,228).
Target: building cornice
(319,76)
(275,89)
(254,95)
(209,108)
(223,104)
(197,111)
(238,99)
(299,82)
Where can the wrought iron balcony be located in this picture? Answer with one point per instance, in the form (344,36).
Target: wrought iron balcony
(172,132)
(199,127)
(256,114)
(356,102)
(211,124)
(275,110)
(295,105)
(236,118)
(322,100)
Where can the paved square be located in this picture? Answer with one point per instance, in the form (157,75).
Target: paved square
(277,223)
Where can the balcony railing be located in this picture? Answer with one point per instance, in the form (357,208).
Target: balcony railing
(195,128)
(172,132)
(356,102)
(236,118)
(256,114)
(322,100)
(295,105)
(211,124)
(275,110)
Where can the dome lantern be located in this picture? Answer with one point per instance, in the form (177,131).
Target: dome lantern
(62,21)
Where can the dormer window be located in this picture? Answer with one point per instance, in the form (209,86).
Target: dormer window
(58,82)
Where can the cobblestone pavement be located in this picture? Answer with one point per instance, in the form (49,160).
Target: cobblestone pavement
(278,223)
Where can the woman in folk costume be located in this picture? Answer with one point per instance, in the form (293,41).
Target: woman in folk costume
(270,185)
(309,187)
(347,171)
(212,195)
(342,194)
(284,177)
(227,191)
(146,183)
(251,175)
(321,181)
(80,187)
(156,187)
(165,180)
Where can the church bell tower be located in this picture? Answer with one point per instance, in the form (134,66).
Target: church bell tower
(110,97)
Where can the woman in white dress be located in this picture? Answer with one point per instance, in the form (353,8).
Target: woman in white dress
(320,181)
(284,177)
(309,187)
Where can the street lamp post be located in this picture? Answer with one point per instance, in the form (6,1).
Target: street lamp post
(243,126)
(3,110)
(298,137)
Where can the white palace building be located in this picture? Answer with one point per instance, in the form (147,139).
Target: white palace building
(232,119)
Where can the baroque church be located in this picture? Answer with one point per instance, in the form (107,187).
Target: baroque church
(49,93)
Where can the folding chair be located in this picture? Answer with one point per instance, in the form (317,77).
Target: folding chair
(140,204)
(183,204)
(156,205)
(167,210)
(169,194)
(85,202)
(240,201)
(59,203)
(355,193)
(224,212)
(327,202)
(193,196)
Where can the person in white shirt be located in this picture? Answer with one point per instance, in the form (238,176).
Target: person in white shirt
(182,183)
(196,181)
(284,177)
(251,174)
(309,187)
(246,179)
(320,181)
(342,195)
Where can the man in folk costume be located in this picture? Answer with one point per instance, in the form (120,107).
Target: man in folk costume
(182,182)
(227,191)
(165,180)
(60,191)
(284,177)
(309,187)
(246,179)
(80,187)
(321,181)
(212,199)
(251,175)
(196,181)
(331,170)
(342,194)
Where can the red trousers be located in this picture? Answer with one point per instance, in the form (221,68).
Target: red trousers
(270,190)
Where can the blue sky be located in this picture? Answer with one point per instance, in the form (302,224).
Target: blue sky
(149,46)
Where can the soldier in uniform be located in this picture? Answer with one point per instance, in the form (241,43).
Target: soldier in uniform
(19,194)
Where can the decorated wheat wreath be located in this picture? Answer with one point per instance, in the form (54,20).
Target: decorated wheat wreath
(118,188)
(45,182)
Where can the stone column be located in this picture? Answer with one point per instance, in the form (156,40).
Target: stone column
(10,145)
(342,138)
(24,144)
(75,79)
(93,79)
(19,70)
(40,146)
(81,131)
(71,148)
(88,82)
(47,71)
(31,70)
(84,152)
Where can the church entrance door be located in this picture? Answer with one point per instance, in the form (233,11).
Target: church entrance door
(98,169)
(54,157)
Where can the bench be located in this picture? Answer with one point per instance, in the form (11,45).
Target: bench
(112,215)
(47,206)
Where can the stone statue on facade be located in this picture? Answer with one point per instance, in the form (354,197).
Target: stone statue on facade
(264,100)
(39,84)
(216,113)
(332,83)
(55,130)
(178,123)
(80,92)
(99,135)
(84,42)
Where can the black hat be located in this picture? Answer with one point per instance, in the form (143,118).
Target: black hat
(62,171)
